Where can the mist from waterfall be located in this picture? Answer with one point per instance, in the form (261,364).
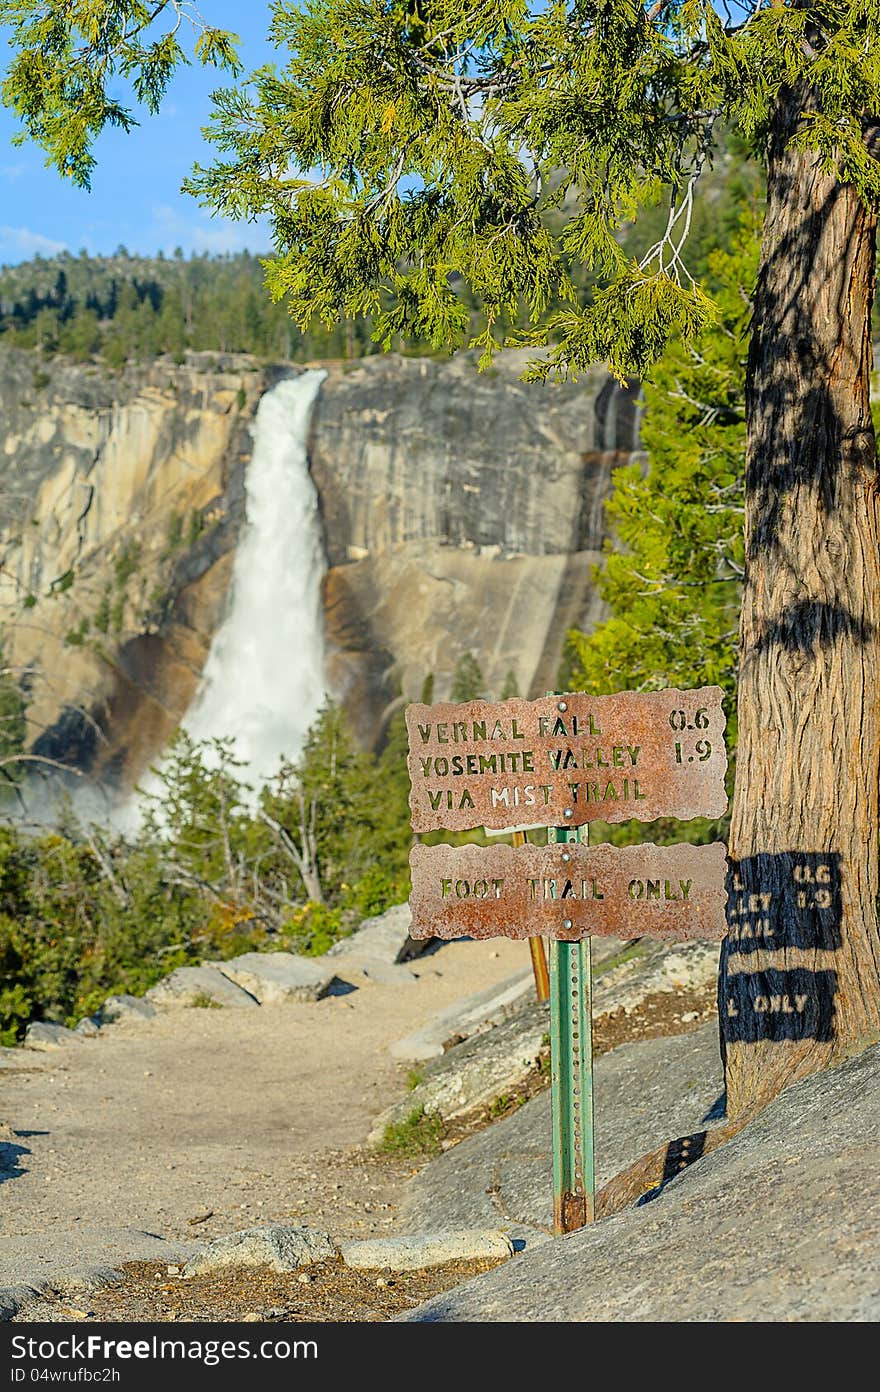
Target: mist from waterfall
(263,681)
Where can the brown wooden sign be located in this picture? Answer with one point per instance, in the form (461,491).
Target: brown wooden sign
(566,760)
(568,891)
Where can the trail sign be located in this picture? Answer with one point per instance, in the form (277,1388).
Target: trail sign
(567,760)
(569,892)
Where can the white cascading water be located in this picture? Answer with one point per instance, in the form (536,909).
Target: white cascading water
(263,681)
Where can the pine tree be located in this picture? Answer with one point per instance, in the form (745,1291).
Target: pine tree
(392,836)
(671,574)
(336,780)
(504,147)
(467,680)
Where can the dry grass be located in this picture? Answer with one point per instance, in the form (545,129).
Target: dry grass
(148,1293)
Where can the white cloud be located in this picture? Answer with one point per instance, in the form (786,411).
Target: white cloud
(204,233)
(13,171)
(23,242)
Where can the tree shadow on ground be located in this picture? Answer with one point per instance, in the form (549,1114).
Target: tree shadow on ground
(10,1160)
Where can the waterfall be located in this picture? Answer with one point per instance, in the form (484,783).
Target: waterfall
(263,681)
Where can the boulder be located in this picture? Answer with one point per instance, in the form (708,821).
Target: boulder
(465,1018)
(43,1035)
(278,1247)
(775,1225)
(645,1094)
(275,977)
(384,938)
(88,1027)
(427,1249)
(126,1008)
(198,985)
(379,948)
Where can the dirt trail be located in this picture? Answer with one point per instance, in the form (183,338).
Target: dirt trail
(251,1115)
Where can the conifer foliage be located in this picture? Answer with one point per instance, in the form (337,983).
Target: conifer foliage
(672,570)
(404,147)
(68,58)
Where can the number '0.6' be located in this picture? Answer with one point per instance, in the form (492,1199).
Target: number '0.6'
(679,721)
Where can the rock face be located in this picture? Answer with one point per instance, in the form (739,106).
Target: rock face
(490,1007)
(473,1015)
(474,1073)
(461,512)
(774,1225)
(645,1093)
(88,1259)
(501,1038)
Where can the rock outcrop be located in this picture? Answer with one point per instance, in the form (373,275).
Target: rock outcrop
(645,1093)
(775,1225)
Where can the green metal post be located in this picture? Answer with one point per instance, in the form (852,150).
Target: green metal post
(571,1065)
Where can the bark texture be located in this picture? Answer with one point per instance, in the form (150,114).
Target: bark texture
(800,981)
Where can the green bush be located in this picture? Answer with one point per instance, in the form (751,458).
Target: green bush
(85,913)
(313,928)
(70,936)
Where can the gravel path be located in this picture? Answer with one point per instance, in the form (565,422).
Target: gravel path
(204,1121)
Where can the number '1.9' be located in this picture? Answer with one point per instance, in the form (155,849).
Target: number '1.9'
(702,749)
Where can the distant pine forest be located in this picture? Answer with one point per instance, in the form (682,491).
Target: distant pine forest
(126,307)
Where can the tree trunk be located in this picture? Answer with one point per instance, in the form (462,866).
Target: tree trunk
(800,980)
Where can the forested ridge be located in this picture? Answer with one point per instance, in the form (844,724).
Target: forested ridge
(125,307)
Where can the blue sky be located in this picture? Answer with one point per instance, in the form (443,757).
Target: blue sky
(135,198)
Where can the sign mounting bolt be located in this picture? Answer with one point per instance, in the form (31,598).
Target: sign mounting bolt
(562,706)
(566,923)
(568,812)
(566,856)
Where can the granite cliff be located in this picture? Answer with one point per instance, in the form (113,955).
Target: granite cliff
(460,512)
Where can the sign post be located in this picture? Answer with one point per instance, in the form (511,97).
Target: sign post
(571,1073)
(570,760)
